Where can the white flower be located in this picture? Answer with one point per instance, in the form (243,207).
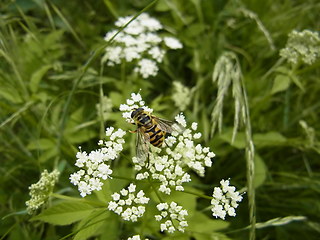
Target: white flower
(169,165)
(172,43)
(147,68)
(131,206)
(169,212)
(41,191)
(302,47)
(225,200)
(135,102)
(181,120)
(96,165)
(135,237)
(181,96)
(138,43)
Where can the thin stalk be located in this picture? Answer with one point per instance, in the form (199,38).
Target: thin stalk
(250,164)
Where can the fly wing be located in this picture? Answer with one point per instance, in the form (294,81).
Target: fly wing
(142,145)
(168,126)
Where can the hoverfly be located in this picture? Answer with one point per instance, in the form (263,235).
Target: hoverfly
(150,129)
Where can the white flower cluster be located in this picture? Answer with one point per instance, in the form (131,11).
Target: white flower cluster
(96,165)
(41,190)
(127,204)
(170,166)
(169,215)
(302,47)
(140,43)
(164,169)
(225,200)
(181,96)
(134,102)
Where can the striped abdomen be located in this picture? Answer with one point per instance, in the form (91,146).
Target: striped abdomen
(156,135)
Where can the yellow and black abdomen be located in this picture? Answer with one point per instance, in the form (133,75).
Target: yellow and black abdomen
(156,135)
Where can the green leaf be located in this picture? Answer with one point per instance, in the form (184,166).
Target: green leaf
(10,94)
(207,236)
(91,225)
(268,139)
(280,83)
(37,77)
(239,141)
(104,195)
(162,6)
(48,154)
(297,81)
(65,213)
(42,144)
(260,171)
(201,223)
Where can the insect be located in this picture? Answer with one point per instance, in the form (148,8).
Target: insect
(151,129)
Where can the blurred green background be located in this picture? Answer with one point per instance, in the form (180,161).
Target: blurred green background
(49,94)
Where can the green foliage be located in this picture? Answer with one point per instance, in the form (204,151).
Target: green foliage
(51,79)
(65,213)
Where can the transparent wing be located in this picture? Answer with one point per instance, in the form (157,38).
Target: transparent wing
(168,126)
(142,144)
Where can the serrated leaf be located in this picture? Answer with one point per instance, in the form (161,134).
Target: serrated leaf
(280,83)
(268,139)
(37,77)
(260,172)
(90,225)
(65,213)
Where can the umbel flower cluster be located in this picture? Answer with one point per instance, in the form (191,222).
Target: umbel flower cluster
(302,47)
(170,164)
(169,213)
(182,95)
(41,190)
(96,165)
(139,43)
(166,169)
(127,204)
(225,200)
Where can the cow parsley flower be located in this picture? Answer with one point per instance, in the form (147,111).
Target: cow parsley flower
(140,44)
(170,165)
(41,190)
(302,47)
(129,204)
(96,165)
(225,200)
(181,96)
(172,217)
(134,102)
